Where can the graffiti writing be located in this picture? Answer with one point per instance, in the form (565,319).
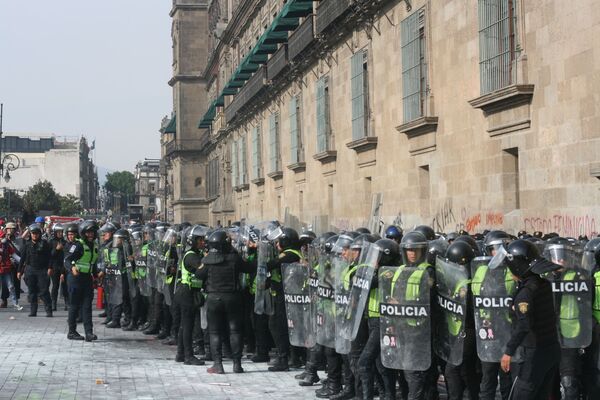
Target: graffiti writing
(443,217)
(563,224)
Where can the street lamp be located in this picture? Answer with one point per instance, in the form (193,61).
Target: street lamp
(8,162)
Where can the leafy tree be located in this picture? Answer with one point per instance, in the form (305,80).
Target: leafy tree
(11,202)
(41,196)
(121,183)
(69,205)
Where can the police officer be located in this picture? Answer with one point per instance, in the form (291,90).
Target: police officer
(35,263)
(188,297)
(57,258)
(220,270)
(115,255)
(106,232)
(464,376)
(393,232)
(80,264)
(535,324)
(288,245)
(592,353)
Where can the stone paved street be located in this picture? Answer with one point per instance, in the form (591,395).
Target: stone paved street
(38,362)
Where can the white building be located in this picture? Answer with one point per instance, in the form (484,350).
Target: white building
(63,161)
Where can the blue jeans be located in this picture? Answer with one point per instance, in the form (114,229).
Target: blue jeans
(7,281)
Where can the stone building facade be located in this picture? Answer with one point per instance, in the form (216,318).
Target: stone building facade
(147,182)
(459,114)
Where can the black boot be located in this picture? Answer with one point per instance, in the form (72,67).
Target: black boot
(162,335)
(217,368)
(261,357)
(237,366)
(131,327)
(74,336)
(281,364)
(152,330)
(193,361)
(48,310)
(33,312)
(331,389)
(309,379)
(179,358)
(53,305)
(113,324)
(90,336)
(346,394)
(102,314)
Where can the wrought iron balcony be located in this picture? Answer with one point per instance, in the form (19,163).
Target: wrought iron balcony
(277,62)
(302,38)
(328,12)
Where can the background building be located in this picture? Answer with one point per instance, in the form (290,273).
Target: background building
(147,181)
(459,114)
(63,161)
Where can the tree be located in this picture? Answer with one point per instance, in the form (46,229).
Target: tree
(11,203)
(121,184)
(41,196)
(69,205)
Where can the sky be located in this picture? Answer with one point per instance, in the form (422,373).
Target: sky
(92,68)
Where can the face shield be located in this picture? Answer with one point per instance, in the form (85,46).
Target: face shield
(557,253)
(117,241)
(414,254)
(341,248)
(169,238)
(500,255)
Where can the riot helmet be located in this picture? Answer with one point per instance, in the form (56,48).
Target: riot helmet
(426,230)
(591,254)
(460,252)
(119,237)
(58,227)
(470,241)
(436,248)
(288,239)
(360,246)
(342,245)
(557,249)
(414,248)
(330,243)
(197,232)
(35,228)
(493,240)
(362,231)
(521,254)
(88,226)
(393,232)
(307,238)
(108,227)
(452,237)
(389,252)
(218,242)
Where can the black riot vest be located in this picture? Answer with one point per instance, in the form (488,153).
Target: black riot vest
(222,274)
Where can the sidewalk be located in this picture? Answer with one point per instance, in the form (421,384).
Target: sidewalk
(37,361)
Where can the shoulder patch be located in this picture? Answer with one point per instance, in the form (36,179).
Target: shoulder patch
(281,255)
(72,249)
(523,307)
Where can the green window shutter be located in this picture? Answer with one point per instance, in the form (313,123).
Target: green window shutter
(234,164)
(243,179)
(358,96)
(255,158)
(273,143)
(321,118)
(413,52)
(293,131)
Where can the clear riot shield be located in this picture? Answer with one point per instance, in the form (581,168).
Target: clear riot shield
(573,287)
(343,283)
(296,289)
(127,253)
(325,303)
(492,290)
(169,239)
(141,269)
(263,301)
(405,318)
(113,278)
(361,286)
(151,263)
(452,286)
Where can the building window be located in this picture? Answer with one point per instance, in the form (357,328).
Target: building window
(297,151)
(152,188)
(242,170)
(152,200)
(274,150)
(324,136)
(234,164)
(414,66)
(360,95)
(498,49)
(256,153)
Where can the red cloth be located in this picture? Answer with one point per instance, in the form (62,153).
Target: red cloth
(6,252)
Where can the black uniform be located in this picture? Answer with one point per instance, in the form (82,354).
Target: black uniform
(221,274)
(57,257)
(35,261)
(81,288)
(535,329)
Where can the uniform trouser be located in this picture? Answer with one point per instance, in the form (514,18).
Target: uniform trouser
(491,374)
(81,294)
(56,283)
(571,363)
(249,337)
(153,310)
(356,348)
(591,365)
(37,283)
(176,313)
(315,357)
(124,307)
(260,324)
(371,356)
(464,376)
(185,299)
(278,326)
(537,373)
(334,366)
(225,313)
(163,316)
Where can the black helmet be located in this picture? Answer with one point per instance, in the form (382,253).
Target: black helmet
(393,232)
(121,233)
(108,227)
(521,256)
(427,231)
(218,241)
(320,241)
(470,241)
(330,243)
(495,239)
(196,232)
(361,241)
(452,236)
(58,227)
(35,228)
(72,228)
(557,249)
(288,239)
(362,231)
(307,237)
(88,226)
(436,248)
(591,253)
(414,241)
(390,252)
(344,241)
(460,252)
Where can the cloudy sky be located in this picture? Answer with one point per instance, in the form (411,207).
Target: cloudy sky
(93,68)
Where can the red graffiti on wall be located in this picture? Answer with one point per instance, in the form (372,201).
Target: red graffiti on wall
(494,218)
(563,224)
(472,223)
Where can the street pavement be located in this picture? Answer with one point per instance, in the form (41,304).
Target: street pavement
(37,361)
